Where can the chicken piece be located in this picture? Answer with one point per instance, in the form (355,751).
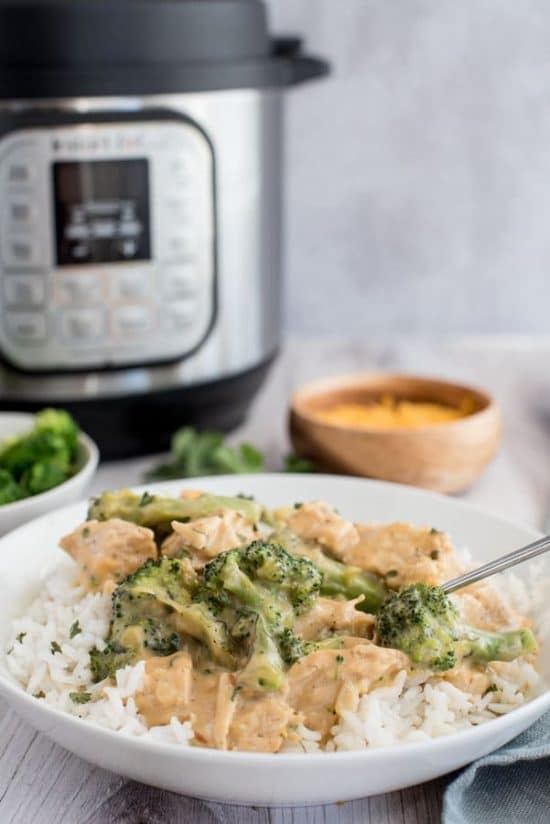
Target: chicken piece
(481,605)
(318,521)
(225,709)
(172,687)
(205,538)
(405,554)
(328,617)
(329,680)
(167,689)
(260,722)
(469,678)
(108,551)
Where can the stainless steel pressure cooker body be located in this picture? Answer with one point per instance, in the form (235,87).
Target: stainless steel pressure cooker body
(140,240)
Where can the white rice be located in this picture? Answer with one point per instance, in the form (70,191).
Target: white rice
(414,708)
(53,675)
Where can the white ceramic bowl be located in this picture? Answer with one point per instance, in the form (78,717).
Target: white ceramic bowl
(262,779)
(21,512)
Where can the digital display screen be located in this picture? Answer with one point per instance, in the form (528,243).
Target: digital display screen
(102,211)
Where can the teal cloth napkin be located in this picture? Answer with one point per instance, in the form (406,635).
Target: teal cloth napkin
(509,786)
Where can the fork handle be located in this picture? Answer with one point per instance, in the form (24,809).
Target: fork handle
(499,565)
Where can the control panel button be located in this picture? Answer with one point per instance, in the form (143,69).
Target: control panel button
(180,313)
(178,206)
(20,250)
(178,168)
(179,246)
(26,327)
(82,325)
(132,321)
(79,287)
(24,290)
(180,280)
(20,212)
(19,171)
(131,284)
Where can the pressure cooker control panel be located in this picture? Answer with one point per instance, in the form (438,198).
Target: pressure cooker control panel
(107,244)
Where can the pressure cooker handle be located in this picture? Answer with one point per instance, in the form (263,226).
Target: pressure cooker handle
(302,67)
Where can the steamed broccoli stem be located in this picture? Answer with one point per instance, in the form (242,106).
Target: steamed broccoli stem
(155,511)
(338,580)
(265,668)
(424,623)
(482,645)
(344,581)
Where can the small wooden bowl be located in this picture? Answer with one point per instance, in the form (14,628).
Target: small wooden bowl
(447,457)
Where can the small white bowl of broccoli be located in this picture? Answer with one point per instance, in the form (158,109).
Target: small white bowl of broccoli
(45,462)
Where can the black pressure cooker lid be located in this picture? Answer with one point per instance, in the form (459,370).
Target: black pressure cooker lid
(67,48)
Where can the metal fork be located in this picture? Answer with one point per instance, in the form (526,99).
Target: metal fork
(499,565)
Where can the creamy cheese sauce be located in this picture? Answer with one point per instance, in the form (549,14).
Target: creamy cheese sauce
(228,711)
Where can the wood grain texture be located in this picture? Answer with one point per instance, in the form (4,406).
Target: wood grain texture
(40,783)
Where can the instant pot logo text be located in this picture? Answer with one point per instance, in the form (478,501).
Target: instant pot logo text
(97,142)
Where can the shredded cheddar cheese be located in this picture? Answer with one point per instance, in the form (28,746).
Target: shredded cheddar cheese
(390,413)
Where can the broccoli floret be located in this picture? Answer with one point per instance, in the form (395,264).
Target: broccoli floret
(157,512)
(44,457)
(266,578)
(44,475)
(169,580)
(293,647)
(34,448)
(265,585)
(338,580)
(423,622)
(10,490)
(153,609)
(60,423)
(148,634)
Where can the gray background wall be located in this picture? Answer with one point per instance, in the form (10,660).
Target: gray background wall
(418,185)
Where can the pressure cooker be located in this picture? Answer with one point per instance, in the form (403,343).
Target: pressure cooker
(140,239)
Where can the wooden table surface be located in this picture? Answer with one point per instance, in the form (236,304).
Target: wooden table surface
(40,783)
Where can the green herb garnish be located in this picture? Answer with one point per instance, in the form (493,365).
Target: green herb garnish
(295,463)
(75,629)
(80,697)
(196,454)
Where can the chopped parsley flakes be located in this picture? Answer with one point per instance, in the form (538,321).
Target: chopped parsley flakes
(80,697)
(75,629)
